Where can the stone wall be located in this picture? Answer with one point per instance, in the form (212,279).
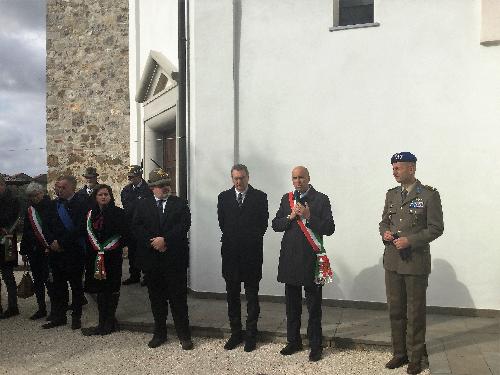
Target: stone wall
(87,89)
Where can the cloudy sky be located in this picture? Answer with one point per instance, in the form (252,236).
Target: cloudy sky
(22,86)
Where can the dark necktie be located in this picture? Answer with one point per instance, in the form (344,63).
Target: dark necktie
(159,204)
(404,194)
(240,199)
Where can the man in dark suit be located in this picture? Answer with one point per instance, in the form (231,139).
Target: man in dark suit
(300,263)
(65,233)
(243,214)
(411,219)
(134,191)
(161,224)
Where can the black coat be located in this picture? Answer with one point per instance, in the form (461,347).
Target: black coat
(30,244)
(10,209)
(174,227)
(129,195)
(297,259)
(242,234)
(72,241)
(112,222)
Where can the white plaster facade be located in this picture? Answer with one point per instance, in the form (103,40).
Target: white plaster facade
(340,103)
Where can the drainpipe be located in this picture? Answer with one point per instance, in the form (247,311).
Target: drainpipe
(181,119)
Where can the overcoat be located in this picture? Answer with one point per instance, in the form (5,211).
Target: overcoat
(173,226)
(10,208)
(419,218)
(297,260)
(107,223)
(71,240)
(243,229)
(30,245)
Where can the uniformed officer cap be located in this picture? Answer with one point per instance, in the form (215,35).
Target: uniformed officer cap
(134,170)
(404,156)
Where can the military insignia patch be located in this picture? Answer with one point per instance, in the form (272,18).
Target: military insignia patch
(417,203)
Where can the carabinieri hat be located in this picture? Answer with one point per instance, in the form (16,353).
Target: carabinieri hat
(404,156)
(134,170)
(158,177)
(90,172)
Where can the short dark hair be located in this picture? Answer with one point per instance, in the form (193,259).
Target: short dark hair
(239,167)
(71,179)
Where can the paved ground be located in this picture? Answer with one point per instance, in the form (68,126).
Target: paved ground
(357,342)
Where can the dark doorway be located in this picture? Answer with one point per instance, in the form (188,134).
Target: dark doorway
(169,157)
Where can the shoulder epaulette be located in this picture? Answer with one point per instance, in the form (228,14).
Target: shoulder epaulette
(428,187)
(394,188)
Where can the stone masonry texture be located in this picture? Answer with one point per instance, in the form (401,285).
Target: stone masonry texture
(87,90)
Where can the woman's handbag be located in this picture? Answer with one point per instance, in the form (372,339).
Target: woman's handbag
(25,288)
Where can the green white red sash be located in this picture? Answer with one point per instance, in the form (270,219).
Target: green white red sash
(110,244)
(322,271)
(36,224)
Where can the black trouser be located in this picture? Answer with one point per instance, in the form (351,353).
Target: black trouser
(39,265)
(63,274)
(135,273)
(7,272)
(233,289)
(293,295)
(406,299)
(166,287)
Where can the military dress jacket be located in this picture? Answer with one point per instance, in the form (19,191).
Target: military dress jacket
(419,218)
(243,230)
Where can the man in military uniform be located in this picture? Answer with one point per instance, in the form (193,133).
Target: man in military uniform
(137,189)
(412,218)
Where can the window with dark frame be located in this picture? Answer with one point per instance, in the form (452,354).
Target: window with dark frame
(355,12)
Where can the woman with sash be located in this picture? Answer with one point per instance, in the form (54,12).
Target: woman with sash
(34,246)
(106,236)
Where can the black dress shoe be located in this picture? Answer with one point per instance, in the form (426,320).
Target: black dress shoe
(92,331)
(250,344)
(187,344)
(291,348)
(315,355)
(156,341)
(396,362)
(131,280)
(39,314)
(414,368)
(10,312)
(76,323)
(233,342)
(54,323)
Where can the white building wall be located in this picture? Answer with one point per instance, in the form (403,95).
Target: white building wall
(152,26)
(342,103)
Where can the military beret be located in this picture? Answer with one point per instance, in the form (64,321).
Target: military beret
(403,157)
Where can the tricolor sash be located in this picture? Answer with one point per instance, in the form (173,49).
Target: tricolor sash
(36,224)
(111,243)
(322,271)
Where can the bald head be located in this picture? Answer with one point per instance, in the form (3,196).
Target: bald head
(300,178)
